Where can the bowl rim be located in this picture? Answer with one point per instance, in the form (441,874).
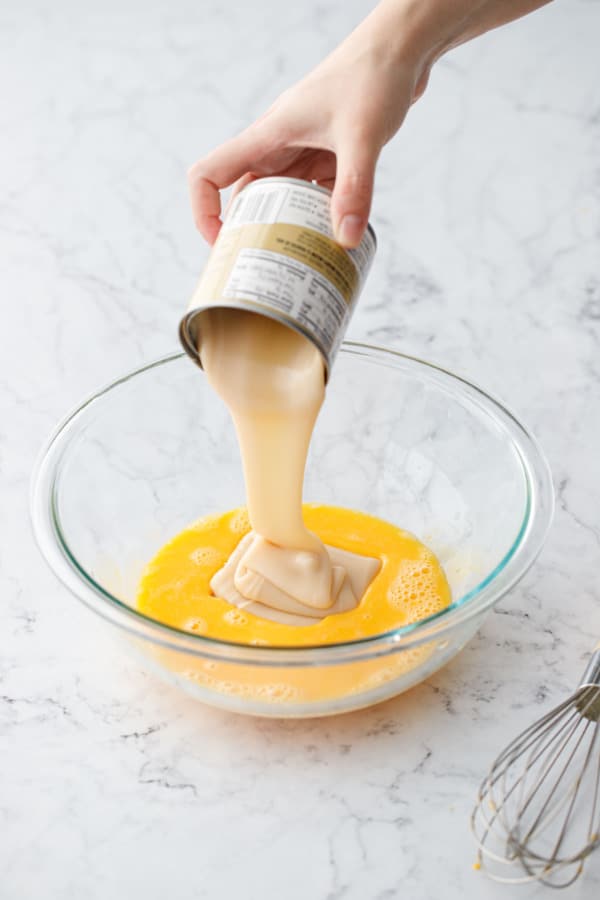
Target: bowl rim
(527,544)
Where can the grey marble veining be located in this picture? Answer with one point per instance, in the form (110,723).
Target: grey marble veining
(488,214)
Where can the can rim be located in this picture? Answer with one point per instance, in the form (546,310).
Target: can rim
(189,339)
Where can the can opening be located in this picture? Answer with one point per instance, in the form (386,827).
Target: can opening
(190,329)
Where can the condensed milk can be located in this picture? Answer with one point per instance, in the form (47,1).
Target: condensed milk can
(276,256)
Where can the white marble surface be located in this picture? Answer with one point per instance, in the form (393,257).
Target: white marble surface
(488,212)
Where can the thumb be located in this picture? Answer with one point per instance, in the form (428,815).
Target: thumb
(352,195)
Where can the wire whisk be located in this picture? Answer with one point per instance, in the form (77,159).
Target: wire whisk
(537,816)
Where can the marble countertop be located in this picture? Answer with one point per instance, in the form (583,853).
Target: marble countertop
(113,785)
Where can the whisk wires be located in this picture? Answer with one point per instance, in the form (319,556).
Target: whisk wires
(532,808)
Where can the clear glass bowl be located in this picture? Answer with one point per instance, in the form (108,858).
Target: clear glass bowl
(398,437)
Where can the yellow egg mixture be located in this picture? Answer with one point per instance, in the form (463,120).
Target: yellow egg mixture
(175,587)
(272,381)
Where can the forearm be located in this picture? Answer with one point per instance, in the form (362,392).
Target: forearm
(442,24)
(420,31)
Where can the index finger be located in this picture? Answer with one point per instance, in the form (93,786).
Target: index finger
(218,170)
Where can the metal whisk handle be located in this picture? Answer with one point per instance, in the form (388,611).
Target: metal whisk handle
(591,676)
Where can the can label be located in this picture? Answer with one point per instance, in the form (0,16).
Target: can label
(275,255)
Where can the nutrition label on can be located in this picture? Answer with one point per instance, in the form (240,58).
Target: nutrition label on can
(268,202)
(276,253)
(295,289)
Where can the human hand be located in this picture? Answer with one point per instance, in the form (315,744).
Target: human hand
(328,128)
(331,126)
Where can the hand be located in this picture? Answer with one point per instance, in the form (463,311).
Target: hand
(330,128)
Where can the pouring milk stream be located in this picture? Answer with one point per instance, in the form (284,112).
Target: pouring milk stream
(266,321)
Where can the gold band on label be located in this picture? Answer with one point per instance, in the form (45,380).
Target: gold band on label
(316,250)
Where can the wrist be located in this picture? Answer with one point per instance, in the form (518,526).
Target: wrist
(405,37)
(417,32)
(423,30)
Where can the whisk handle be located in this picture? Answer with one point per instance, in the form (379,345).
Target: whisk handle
(591,676)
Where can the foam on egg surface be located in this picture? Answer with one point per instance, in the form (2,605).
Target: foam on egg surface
(411,584)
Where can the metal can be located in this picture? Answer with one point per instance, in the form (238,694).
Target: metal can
(275,255)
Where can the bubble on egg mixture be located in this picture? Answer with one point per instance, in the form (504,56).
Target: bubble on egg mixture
(414,590)
(277,692)
(235,617)
(196,624)
(239,522)
(207,556)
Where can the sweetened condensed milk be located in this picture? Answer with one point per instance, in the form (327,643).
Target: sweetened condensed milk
(265,324)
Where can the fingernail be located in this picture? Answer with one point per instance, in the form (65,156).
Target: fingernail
(350,230)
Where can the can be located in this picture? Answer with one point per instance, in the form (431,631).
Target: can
(276,256)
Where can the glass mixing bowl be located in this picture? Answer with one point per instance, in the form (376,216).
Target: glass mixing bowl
(397,437)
